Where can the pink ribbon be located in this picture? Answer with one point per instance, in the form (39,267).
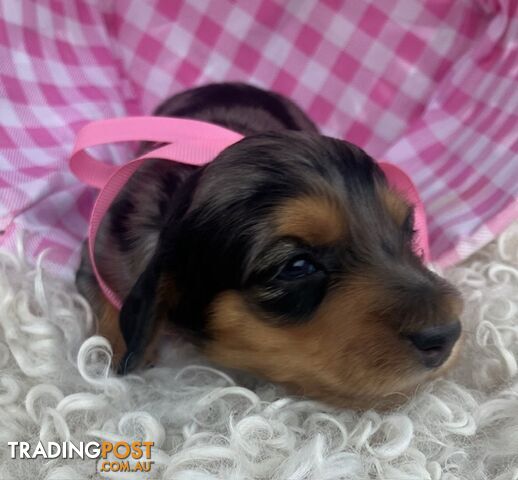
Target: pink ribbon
(186,141)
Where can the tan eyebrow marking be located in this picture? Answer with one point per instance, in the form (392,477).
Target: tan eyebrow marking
(317,220)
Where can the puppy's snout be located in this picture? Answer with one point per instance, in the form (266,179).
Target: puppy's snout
(434,344)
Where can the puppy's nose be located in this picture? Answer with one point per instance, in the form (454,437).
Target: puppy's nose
(434,344)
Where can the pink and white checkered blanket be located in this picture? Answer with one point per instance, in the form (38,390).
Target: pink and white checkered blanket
(430,85)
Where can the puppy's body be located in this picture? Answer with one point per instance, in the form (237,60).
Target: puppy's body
(288,256)
(128,234)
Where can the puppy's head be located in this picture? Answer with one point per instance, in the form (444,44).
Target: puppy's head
(290,256)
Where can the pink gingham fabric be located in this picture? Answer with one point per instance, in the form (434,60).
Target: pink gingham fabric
(430,85)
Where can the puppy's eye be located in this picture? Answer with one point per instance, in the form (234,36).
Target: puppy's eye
(297,267)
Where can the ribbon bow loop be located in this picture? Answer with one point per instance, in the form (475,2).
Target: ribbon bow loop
(191,142)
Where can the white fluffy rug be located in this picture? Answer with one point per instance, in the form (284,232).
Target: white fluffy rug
(55,385)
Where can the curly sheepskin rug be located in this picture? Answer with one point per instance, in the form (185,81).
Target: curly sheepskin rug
(206,424)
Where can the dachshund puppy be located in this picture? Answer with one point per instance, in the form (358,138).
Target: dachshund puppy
(288,256)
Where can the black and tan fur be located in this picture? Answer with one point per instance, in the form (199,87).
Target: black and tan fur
(287,256)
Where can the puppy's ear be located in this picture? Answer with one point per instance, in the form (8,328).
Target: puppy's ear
(140,316)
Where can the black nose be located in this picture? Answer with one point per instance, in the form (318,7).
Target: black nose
(434,344)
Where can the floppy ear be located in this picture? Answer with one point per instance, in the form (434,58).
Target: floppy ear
(140,316)
(147,303)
